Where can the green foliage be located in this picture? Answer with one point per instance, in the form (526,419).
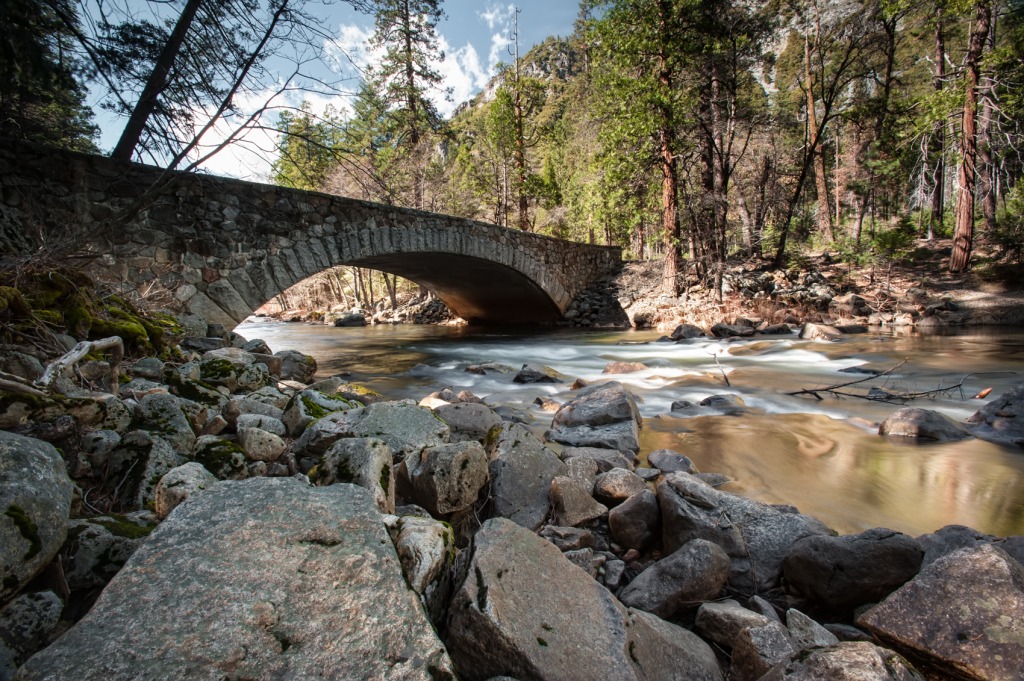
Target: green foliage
(307,147)
(1009,233)
(42,98)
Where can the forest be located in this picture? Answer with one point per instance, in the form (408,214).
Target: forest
(688,131)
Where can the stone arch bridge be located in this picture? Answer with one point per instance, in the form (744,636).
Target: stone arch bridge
(221,247)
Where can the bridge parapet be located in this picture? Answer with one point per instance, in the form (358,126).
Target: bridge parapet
(221,247)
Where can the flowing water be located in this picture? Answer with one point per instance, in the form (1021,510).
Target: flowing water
(823,456)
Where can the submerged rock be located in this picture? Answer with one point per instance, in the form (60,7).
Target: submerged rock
(1002,419)
(266,578)
(922,424)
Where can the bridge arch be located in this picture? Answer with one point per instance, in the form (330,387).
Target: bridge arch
(221,247)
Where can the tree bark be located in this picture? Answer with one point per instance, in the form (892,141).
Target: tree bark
(986,162)
(820,172)
(125,148)
(960,258)
(669,178)
(938,144)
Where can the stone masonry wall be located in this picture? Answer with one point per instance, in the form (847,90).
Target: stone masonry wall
(221,247)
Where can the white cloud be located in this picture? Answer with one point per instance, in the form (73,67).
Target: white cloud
(497,15)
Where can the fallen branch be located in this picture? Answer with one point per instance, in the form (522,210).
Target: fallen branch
(889,395)
(834,389)
(77,353)
(17,384)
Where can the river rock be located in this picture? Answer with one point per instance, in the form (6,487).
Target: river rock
(27,624)
(806,632)
(186,381)
(636,522)
(820,332)
(693,574)
(178,484)
(505,621)
(350,319)
(984,588)
(1002,419)
(224,458)
(309,406)
(922,424)
(296,366)
(35,497)
(273,396)
(521,471)
(362,461)
(403,425)
(584,470)
(218,578)
(259,445)
(686,332)
(623,368)
(725,330)
(267,423)
(952,537)
(572,504)
(756,536)
(535,373)
(758,649)
(836,574)
(97,548)
(721,622)
(447,478)
(606,459)
(426,548)
(257,346)
(669,461)
(251,405)
(617,485)
(568,538)
(603,416)
(21,364)
(859,661)
(136,466)
(468,420)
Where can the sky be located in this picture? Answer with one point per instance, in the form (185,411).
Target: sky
(474,35)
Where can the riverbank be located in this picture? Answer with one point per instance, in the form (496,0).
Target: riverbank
(462,505)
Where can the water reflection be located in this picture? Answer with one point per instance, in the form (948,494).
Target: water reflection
(850,478)
(823,456)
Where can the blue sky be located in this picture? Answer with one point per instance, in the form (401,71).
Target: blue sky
(474,35)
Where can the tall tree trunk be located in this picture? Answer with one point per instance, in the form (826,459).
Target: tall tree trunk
(937,148)
(820,172)
(960,258)
(520,152)
(986,162)
(125,147)
(669,179)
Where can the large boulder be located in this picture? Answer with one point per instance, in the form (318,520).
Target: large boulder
(521,472)
(837,574)
(963,615)
(136,466)
(1002,419)
(296,366)
(26,625)
(468,420)
(693,574)
(403,425)
(603,416)
(721,622)
(266,578)
(922,424)
(224,458)
(756,536)
(854,661)
(447,478)
(97,548)
(952,537)
(363,461)
(35,501)
(308,406)
(504,620)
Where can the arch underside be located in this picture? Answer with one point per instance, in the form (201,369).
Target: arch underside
(478,290)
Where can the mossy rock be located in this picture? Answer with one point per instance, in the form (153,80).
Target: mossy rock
(224,458)
(13,303)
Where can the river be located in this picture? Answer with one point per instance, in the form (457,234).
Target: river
(823,456)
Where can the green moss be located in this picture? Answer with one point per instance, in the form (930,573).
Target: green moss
(542,642)
(385,478)
(216,369)
(316,409)
(197,391)
(342,472)
(119,526)
(314,474)
(222,458)
(50,317)
(13,302)
(492,437)
(131,332)
(28,529)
